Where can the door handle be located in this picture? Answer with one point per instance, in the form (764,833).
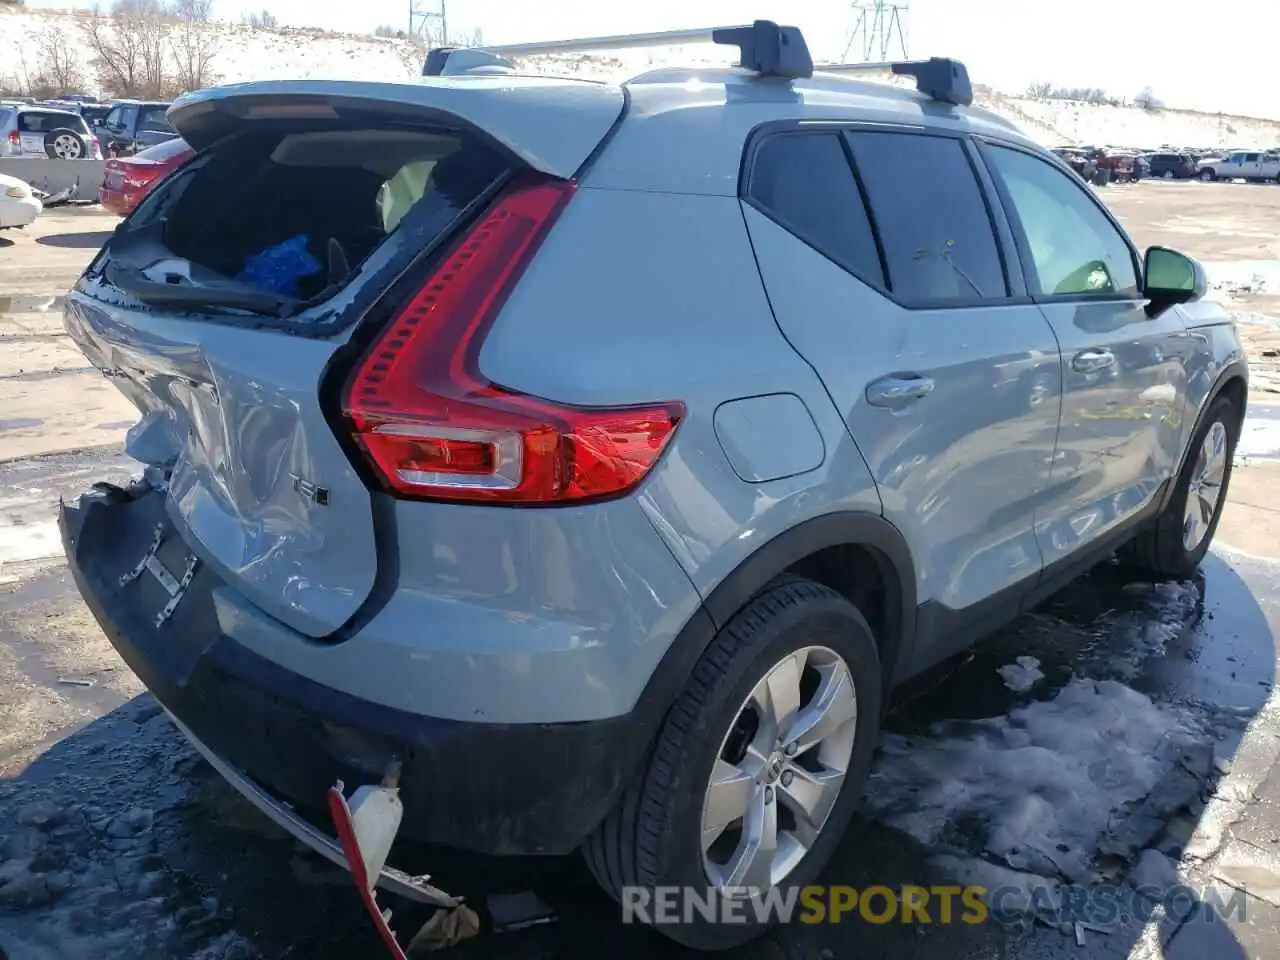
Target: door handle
(897,389)
(1091,361)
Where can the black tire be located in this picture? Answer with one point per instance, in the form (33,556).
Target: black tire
(1158,548)
(651,839)
(1207,175)
(65,144)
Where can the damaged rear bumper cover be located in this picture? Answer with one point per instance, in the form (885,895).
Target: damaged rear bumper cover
(282,740)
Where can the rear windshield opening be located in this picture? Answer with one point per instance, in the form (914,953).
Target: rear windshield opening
(31,121)
(295,213)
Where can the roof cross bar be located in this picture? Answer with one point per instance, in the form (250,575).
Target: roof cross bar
(939,78)
(765,47)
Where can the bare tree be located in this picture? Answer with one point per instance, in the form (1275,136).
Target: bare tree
(113,56)
(59,69)
(193,44)
(262,20)
(130,48)
(1148,100)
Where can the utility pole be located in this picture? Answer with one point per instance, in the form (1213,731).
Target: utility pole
(878,34)
(428,22)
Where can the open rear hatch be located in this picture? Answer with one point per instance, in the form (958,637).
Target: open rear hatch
(223,305)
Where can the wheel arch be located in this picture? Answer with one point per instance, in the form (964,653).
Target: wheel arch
(1232,381)
(870,536)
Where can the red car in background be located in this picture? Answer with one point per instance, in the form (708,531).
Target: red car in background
(129,179)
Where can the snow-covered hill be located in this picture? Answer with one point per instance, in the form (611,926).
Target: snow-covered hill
(292,53)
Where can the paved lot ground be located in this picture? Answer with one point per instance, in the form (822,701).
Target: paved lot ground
(116,842)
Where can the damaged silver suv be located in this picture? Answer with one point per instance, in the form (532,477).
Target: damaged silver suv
(584,464)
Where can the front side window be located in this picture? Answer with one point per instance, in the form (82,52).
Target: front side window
(1075,249)
(939,243)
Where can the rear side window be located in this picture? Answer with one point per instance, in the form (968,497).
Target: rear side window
(30,121)
(804,182)
(153,119)
(934,225)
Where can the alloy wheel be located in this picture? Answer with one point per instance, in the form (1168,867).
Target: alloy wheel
(66,147)
(1204,492)
(779,771)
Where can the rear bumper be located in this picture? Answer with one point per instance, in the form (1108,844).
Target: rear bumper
(494,788)
(116,200)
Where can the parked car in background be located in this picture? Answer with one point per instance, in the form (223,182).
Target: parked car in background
(128,179)
(1077,160)
(1120,164)
(1172,166)
(1255,166)
(94,113)
(18,203)
(133,125)
(29,131)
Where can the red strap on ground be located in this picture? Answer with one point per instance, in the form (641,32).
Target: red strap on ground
(341,814)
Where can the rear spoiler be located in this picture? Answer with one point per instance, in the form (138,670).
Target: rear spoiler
(765,48)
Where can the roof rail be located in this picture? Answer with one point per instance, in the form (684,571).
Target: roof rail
(939,78)
(765,47)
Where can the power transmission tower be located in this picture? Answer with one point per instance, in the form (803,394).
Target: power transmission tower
(428,23)
(878,33)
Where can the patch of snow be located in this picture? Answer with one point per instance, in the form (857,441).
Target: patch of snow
(1154,869)
(1017,892)
(1021,675)
(1164,611)
(20,542)
(1259,438)
(83,874)
(1036,788)
(1242,278)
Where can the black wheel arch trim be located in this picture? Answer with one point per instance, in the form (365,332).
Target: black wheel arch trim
(844,528)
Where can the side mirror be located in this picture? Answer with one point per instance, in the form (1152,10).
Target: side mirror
(1171,278)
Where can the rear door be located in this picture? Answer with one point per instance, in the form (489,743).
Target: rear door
(152,127)
(882,262)
(1123,372)
(229,398)
(33,125)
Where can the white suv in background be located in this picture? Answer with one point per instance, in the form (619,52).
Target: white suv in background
(46,132)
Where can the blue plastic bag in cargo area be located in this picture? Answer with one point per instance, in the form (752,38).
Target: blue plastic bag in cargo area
(279,268)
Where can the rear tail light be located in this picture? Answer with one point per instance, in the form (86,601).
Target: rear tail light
(95,148)
(14,139)
(434,428)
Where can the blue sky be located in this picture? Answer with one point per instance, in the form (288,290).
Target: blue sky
(1188,58)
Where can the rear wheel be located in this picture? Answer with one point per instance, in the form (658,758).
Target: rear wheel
(64,144)
(1207,175)
(1175,543)
(757,768)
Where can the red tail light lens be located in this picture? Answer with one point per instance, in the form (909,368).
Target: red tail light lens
(14,138)
(433,427)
